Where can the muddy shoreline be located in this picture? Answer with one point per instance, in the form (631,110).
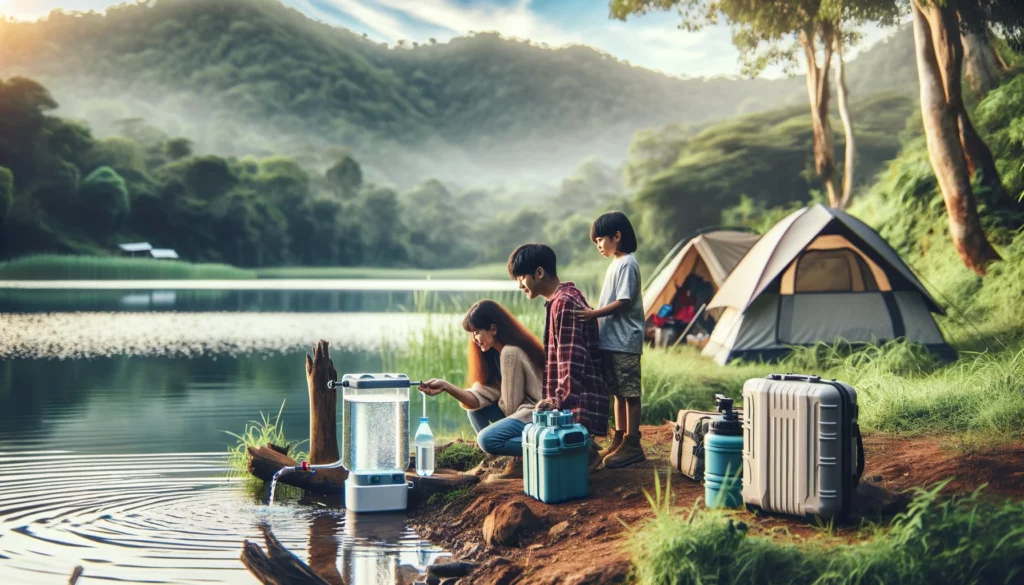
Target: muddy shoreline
(583,542)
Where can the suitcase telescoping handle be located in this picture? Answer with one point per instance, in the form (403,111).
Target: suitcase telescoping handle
(795,378)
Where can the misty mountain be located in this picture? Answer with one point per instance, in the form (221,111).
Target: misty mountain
(254,77)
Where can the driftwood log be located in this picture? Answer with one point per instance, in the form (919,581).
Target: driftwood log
(277,566)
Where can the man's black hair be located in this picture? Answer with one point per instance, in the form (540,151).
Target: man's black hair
(611,222)
(526,259)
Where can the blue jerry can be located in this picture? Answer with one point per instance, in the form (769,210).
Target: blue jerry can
(555,456)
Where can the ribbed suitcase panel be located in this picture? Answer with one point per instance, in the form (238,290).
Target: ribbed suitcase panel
(793,458)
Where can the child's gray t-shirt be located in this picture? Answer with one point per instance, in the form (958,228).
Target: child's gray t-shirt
(623,330)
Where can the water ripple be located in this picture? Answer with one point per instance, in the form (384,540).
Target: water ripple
(176,518)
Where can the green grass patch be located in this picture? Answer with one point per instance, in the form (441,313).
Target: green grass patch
(900,387)
(56,267)
(936,540)
(480,272)
(460,457)
(444,498)
(258,433)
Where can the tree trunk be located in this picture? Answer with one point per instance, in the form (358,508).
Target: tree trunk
(323,404)
(982,70)
(818,94)
(842,93)
(937,48)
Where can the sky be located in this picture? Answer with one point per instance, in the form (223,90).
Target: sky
(653,41)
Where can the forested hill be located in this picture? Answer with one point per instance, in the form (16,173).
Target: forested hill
(254,77)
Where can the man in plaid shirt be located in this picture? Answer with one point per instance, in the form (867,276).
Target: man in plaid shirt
(572,379)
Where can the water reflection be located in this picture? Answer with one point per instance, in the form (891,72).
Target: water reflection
(15,300)
(128,404)
(174,518)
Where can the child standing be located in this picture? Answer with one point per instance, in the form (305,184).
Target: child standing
(572,372)
(620,314)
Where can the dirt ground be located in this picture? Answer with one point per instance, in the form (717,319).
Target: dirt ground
(581,542)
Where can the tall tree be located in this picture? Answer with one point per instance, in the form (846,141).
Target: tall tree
(939,58)
(761,30)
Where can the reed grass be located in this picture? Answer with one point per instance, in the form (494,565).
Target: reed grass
(961,539)
(258,433)
(56,267)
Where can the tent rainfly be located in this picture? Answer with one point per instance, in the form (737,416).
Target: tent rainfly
(820,275)
(711,255)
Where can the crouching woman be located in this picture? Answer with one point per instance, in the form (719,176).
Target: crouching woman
(503,381)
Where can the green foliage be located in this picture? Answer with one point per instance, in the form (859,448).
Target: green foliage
(104,199)
(53,267)
(962,539)
(460,456)
(277,81)
(260,433)
(6,193)
(443,498)
(764,157)
(345,177)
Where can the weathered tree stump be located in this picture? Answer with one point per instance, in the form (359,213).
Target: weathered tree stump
(323,406)
(264,462)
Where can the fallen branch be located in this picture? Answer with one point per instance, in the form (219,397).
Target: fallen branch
(277,566)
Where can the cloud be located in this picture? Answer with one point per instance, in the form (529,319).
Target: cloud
(385,25)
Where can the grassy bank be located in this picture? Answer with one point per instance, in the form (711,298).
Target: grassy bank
(958,540)
(900,388)
(52,267)
(55,267)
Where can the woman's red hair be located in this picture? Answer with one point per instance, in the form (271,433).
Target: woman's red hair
(510,331)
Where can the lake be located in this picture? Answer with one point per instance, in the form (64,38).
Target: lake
(114,404)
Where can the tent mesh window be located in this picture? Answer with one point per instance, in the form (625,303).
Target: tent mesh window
(841,270)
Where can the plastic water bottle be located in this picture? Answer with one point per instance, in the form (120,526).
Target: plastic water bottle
(424,442)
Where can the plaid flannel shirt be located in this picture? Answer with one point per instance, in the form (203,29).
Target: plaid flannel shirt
(573,373)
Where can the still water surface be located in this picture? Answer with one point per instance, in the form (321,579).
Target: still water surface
(112,442)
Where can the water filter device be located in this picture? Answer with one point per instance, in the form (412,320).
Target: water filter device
(375,441)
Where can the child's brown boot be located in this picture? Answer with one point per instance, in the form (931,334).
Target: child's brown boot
(616,441)
(629,452)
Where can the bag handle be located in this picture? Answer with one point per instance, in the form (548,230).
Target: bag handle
(860,454)
(814,379)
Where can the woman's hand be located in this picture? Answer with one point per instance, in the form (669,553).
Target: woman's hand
(433,387)
(546,404)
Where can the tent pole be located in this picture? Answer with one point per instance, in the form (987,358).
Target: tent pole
(690,324)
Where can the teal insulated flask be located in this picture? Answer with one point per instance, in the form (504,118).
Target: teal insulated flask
(723,458)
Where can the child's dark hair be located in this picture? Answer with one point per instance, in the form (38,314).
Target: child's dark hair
(526,259)
(611,222)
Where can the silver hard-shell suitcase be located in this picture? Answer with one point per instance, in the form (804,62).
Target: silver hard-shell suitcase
(802,450)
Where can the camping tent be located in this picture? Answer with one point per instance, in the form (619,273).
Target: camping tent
(820,275)
(711,255)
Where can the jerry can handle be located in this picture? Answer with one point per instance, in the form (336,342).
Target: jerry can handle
(812,378)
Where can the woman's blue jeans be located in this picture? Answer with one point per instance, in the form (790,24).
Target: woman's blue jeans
(496,433)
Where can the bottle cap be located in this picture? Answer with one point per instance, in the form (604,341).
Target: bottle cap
(423,419)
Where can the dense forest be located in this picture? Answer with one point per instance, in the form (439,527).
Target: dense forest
(243,132)
(63,190)
(251,77)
